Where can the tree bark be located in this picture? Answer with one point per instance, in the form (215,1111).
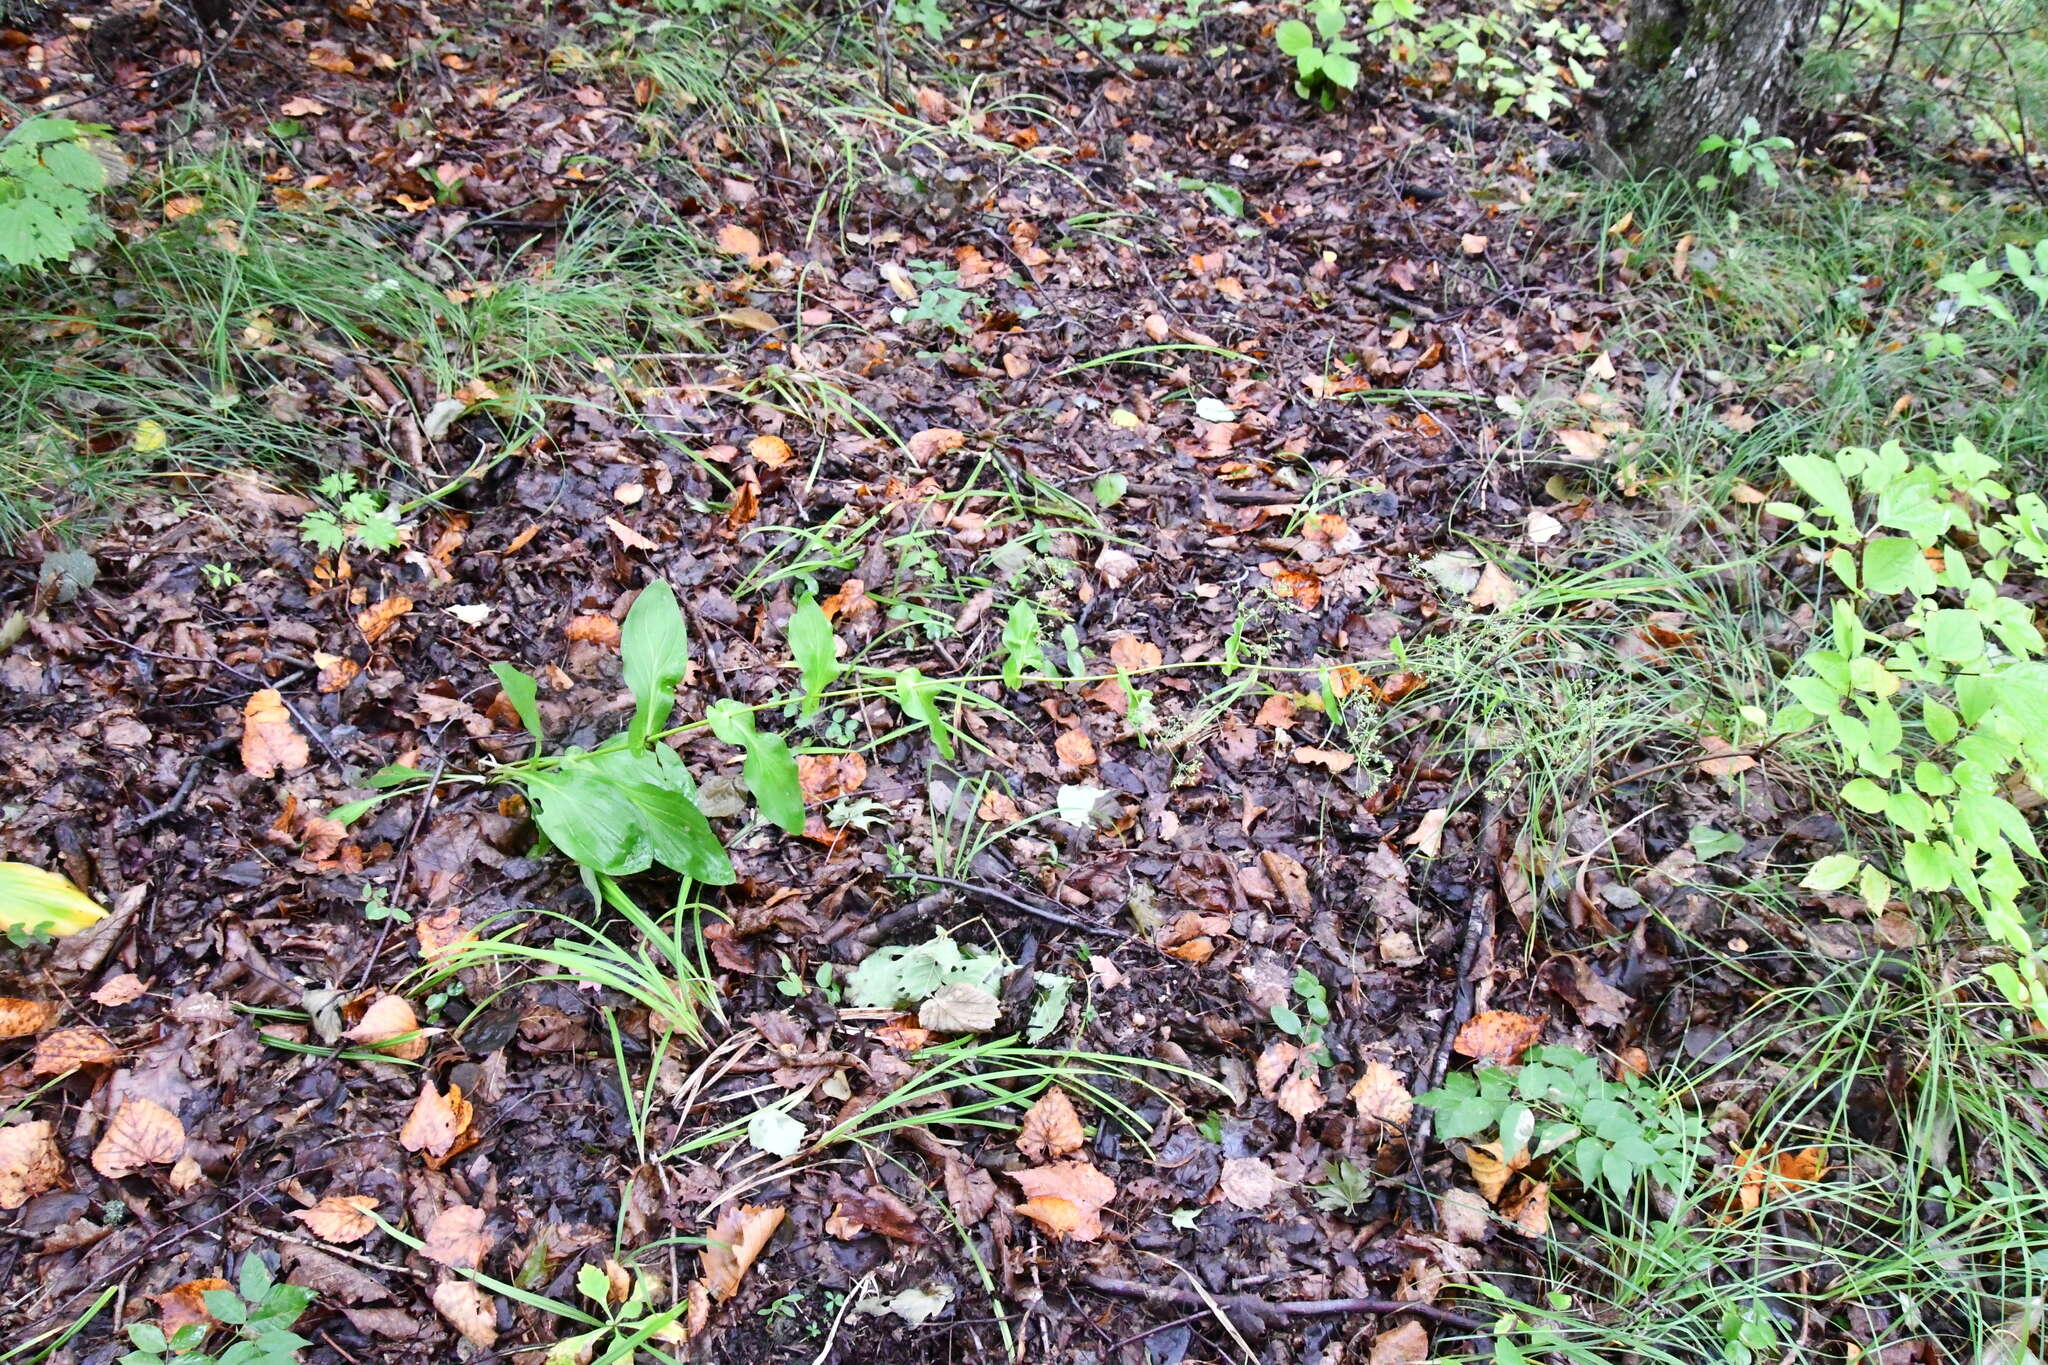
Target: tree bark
(1692,68)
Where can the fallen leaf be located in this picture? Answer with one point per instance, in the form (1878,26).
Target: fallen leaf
(1583,445)
(1275,713)
(1722,760)
(734,1243)
(960,1008)
(1464,1216)
(1075,749)
(1490,1170)
(750,319)
(376,621)
(69,1049)
(184,1305)
(1498,1036)
(29,1163)
(594,628)
(268,740)
(933,441)
(141,1133)
(456,1237)
(340,1218)
(826,777)
(1528,1208)
(1593,1000)
(1275,1064)
(1473,244)
(1248,1183)
(124,989)
(1301,1096)
(1407,1344)
(437,1121)
(19,1018)
(735,240)
(1494,589)
(302,106)
(1382,1097)
(1065,1198)
(771,450)
(628,537)
(1428,836)
(389,1018)
(469,1311)
(1336,760)
(1051,1128)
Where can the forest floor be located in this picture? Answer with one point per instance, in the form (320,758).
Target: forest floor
(1381,717)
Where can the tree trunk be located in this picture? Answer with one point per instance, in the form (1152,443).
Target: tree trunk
(1693,68)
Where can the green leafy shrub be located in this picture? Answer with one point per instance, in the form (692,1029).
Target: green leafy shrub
(1931,683)
(48,176)
(259,1310)
(1324,59)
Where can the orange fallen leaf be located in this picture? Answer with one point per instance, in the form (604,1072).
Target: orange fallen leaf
(469,1311)
(390,1018)
(376,620)
(734,1243)
(19,1018)
(750,319)
(1490,1170)
(1275,712)
(735,240)
(1065,1198)
(771,450)
(1304,590)
(456,1237)
(29,1163)
(124,989)
(437,1121)
(1583,445)
(1722,759)
(1528,1208)
(340,1218)
(1498,1036)
(933,441)
(69,1049)
(1495,589)
(1051,1127)
(1336,760)
(184,1305)
(1382,1097)
(439,934)
(1075,749)
(268,740)
(594,628)
(1406,1344)
(141,1133)
(826,777)
(628,537)
(1133,655)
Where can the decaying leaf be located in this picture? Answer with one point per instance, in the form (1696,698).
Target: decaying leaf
(69,1049)
(141,1133)
(1248,1182)
(1498,1036)
(1723,759)
(1490,1170)
(1407,1344)
(1051,1128)
(456,1237)
(184,1305)
(1075,749)
(20,1018)
(1274,1065)
(29,1163)
(377,620)
(469,1311)
(932,441)
(124,989)
(390,1026)
(962,1007)
(437,1121)
(1494,589)
(733,1245)
(1302,1095)
(269,742)
(827,777)
(1382,1097)
(1528,1208)
(1428,837)
(1065,1198)
(340,1218)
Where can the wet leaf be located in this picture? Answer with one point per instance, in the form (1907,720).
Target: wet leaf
(456,1237)
(141,1133)
(20,1018)
(1407,1344)
(469,1311)
(269,742)
(437,1121)
(1382,1097)
(340,1218)
(29,1163)
(387,1019)
(1052,1128)
(1065,1198)
(379,618)
(184,1305)
(1498,1036)
(69,1049)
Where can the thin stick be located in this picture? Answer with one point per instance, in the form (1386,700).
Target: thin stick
(1022,906)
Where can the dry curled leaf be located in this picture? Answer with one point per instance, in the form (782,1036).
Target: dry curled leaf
(771,450)
(1528,1208)
(734,1243)
(268,740)
(1065,1198)
(456,1237)
(376,620)
(141,1133)
(1490,1170)
(1723,759)
(827,777)
(735,240)
(1498,1036)
(593,628)
(390,1026)
(469,1311)
(29,1163)
(437,1121)
(69,1049)
(1494,589)
(340,1218)
(1382,1097)
(1051,1128)
(1075,749)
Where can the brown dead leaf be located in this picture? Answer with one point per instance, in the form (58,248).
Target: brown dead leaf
(1528,1208)
(1248,1183)
(469,1311)
(184,1305)
(1490,1170)
(268,740)
(1382,1097)
(1303,589)
(29,1163)
(437,1121)
(1134,655)
(1592,999)
(735,240)
(997,808)
(124,989)
(1051,1128)
(934,441)
(1495,589)
(1498,1036)
(1065,1198)
(1583,445)
(1473,244)
(594,628)
(827,777)
(628,537)
(1275,712)
(1075,749)
(749,319)
(1407,1344)
(69,1049)
(1301,1095)
(141,1133)
(377,620)
(1722,758)
(771,450)
(1428,836)
(734,1243)
(1275,1064)
(456,1237)
(19,1018)
(1335,760)
(389,1018)
(340,1218)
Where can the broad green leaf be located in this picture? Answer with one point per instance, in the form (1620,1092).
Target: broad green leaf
(1023,647)
(914,694)
(1894,564)
(1954,635)
(1927,866)
(654,650)
(1709,843)
(1293,37)
(1865,795)
(1109,488)
(1820,479)
(1832,873)
(816,653)
(521,689)
(770,773)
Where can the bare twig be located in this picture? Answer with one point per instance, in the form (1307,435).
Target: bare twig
(1022,906)
(1251,1313)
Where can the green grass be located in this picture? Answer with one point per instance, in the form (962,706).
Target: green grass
(242,329)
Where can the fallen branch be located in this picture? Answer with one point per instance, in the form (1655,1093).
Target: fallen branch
(1252,1314)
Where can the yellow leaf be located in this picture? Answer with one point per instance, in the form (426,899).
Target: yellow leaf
(33,901)
(150,436)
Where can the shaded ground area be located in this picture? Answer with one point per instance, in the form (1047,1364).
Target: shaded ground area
(1206,379)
